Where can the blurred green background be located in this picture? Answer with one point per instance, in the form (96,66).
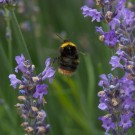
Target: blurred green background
(72,102)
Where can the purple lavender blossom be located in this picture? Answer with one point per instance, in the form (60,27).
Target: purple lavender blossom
(115,62)
(120,5)
(40,91)
(92,13)
(102,106)
(107,124)
(125,122)
(129,103)
(110,38)
(32,90)
(14,81)
(128,86)
(48,71)
(128,16)
(86,11)
(21,65)
(41,115)
(115,22)
(7,2)
(99,30)
(104,80)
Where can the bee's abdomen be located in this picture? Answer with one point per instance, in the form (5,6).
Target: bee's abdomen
(69,64)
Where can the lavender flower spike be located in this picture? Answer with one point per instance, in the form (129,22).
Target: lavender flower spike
(117,96)
(31,99)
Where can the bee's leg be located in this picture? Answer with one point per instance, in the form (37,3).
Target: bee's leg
(56,59)
(82,53)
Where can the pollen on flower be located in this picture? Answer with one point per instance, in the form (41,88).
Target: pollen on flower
(130,5)
(98,2)
(108,16)
(34,109)
(33,67)
(101,38)
(21,86)
(30,87)
(28,129)
(21,98)
(24,116)
(129,66)
(35,78)
(121,47)
(40,115)
(41,129)
(114,102)
(19,106)
(24,124)
(101,93)
(44,101)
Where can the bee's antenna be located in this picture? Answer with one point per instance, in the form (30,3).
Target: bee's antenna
(59,37)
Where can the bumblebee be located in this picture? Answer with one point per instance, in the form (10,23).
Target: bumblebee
(68,59)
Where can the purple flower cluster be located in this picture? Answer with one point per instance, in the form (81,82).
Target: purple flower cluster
(117,96)
(117,18)
(92,13)
(7,2)
(31,94)
(117,99)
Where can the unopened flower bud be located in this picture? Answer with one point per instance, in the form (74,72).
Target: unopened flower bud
(25,124)
(21,86)
(34,109)
(101,93)
(29,129)
(98,2)
(35,79)
(101,38)
(41,129)
(108,16)
(19,106)
(21,98)
(114,102)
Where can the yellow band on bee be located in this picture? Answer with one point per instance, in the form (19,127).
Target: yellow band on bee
(67,43)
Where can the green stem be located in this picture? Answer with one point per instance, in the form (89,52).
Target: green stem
(18,34)
(4,59)
(9,36)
